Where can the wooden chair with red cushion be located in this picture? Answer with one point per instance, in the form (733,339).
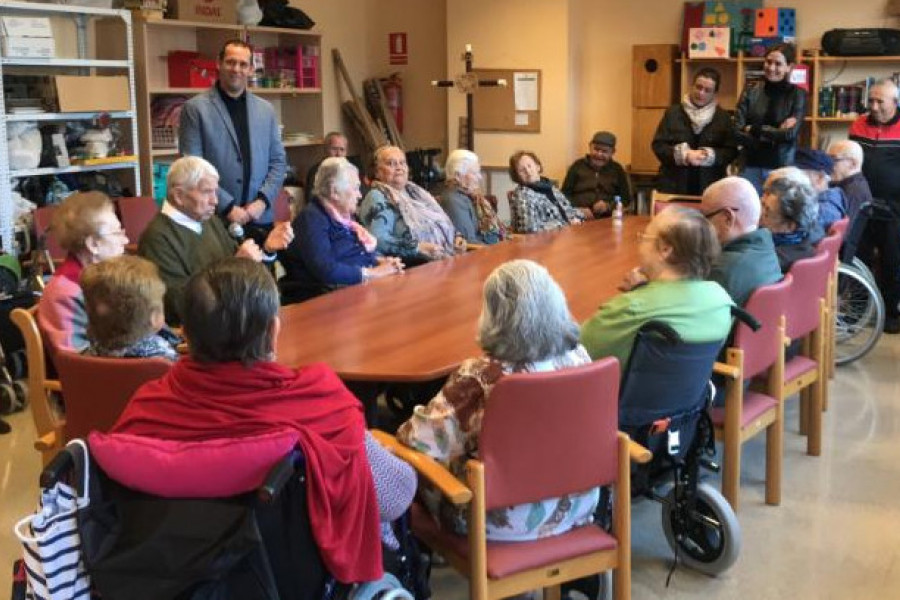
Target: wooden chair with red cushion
(281,209)
(831,245)
(97,389)
(543,435)
(44,242)
(806,320)
(660,201)
(48,422)
(746,413)
(136,213)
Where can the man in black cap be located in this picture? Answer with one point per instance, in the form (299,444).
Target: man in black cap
(593,182)
(818,166)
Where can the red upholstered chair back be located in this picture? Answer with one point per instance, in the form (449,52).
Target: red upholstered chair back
(97,389)
(281,210)
(43,216)
(760,348)
(840,227)
(810,285)
(831,245)
(547,434)
(136,214)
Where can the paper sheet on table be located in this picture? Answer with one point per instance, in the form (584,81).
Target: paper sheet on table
(521,119)
(526,90)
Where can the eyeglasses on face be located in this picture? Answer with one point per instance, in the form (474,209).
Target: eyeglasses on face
(394,163)
(643,235)
(711,214)
(121,232)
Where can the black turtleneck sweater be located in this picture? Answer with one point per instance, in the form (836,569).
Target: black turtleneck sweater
(237,110)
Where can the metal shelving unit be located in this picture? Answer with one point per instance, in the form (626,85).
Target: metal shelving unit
(81,15)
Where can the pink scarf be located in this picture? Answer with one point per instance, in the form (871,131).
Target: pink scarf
(362,234)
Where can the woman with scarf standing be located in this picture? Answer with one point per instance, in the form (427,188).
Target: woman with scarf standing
(405,219)
(694,141)
(537,204)
(790,211)
(768,117)
(464,201)
(331,250)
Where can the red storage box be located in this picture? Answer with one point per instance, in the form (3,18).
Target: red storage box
(190,70)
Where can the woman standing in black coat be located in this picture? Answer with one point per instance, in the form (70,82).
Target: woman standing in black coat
(694,141)
(769,116)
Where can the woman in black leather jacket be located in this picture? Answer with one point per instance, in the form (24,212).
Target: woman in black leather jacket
(769,116)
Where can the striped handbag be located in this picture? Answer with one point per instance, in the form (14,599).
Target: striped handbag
(52,545)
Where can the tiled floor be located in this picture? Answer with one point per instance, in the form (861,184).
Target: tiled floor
(835,536)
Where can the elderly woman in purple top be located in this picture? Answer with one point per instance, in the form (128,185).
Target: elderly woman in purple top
(331,249)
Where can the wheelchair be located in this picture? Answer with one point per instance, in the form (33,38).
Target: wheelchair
(664,405)
(860,312)
(256,545)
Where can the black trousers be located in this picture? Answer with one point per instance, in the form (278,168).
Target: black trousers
(879,248)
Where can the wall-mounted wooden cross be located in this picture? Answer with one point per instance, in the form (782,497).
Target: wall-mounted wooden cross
(467,83)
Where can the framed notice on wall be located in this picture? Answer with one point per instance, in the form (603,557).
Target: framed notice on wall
(516,107)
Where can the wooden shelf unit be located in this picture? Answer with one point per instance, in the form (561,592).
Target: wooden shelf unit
(838,70)
(298,109)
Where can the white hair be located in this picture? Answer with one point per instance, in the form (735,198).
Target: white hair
(847,149)
(460,162)
(333,177)
(186,173)
(791,173)
(524,315)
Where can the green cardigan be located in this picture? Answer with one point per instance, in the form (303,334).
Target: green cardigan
(700,311)
(178,252)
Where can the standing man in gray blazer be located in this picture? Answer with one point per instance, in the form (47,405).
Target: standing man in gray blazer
(238,133)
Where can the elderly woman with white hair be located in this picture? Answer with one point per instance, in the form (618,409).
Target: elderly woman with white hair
(405,219)
(464,201)
(790,211)
(331,250)
(525,326)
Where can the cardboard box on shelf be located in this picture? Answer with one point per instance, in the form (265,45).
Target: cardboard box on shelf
(92,93)
(26,27)
(215,11)
(28,47)
(27,37)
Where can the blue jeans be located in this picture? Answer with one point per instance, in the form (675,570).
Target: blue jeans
(757,176)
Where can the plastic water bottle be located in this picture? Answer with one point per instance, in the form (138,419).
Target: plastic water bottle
(617,212)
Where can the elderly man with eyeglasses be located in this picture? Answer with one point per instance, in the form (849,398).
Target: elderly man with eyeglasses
(748,259)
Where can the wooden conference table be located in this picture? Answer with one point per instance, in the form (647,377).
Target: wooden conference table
(419,326)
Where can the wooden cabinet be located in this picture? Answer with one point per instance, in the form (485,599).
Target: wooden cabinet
(829,123)
(299,108)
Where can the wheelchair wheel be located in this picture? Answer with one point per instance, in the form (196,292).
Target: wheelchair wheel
(859,321)
(864,269)
(709,538)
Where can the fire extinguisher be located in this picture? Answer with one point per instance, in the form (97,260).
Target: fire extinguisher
(393,97)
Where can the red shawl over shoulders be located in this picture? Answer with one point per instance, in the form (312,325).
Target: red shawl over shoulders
(197,401)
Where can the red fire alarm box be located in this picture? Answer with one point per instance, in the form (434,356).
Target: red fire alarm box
(190,70)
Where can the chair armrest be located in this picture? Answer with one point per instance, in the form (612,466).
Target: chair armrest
(638,454)
(52,385)
(46,442)
(729,371)
(451,487)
